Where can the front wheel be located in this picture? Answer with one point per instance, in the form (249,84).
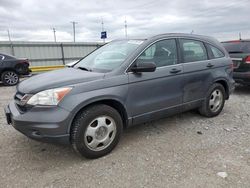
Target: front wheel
(96,131)
(214,101)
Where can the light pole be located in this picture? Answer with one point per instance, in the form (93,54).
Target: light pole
(54,31)
(103,30)
(8,31)
(74,30)
(126,27)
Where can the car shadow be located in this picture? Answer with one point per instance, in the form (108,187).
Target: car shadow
(64,155)
(242,90)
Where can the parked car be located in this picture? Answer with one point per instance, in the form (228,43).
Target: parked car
(71,64)
(91,103)
(239,51)
(12,68)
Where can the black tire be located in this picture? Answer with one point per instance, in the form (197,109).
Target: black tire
(83,122)
(206,108)
(9,78)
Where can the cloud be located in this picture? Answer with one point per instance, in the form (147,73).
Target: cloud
(33,20)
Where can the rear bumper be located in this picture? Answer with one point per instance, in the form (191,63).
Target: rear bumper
(242,77)
(47,126)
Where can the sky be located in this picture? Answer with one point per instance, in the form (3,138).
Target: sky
(33,20)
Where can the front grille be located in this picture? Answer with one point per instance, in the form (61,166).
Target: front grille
(18,96)
(19,103)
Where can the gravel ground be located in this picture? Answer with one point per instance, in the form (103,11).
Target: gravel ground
(185,150)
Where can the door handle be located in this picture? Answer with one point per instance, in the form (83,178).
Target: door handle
(174,71)
(209,65)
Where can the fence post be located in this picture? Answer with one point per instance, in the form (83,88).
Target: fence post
(63,59)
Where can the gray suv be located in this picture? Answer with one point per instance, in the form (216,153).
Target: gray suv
(123,83)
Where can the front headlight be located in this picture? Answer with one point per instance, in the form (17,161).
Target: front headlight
(49,97)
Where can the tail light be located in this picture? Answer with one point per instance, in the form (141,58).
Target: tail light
(24,61)
(247,60)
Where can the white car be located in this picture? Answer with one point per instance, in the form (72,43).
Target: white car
(71,63)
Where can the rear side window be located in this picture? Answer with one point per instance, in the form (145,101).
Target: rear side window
(193,50)
(216,52)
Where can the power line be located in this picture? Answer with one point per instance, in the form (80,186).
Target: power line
(54,31)
(74,29)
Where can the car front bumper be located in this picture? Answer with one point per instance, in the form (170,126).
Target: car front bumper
(48,124)
(242,77)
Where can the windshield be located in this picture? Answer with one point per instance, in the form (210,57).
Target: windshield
(109,56)
(237,47)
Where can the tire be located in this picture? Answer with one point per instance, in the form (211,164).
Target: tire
(214,101)
(96,131)
(10,78)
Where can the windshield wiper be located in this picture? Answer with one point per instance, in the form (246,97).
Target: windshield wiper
(85,69)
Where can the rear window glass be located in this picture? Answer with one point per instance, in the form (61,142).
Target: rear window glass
(216,52)
(237,47)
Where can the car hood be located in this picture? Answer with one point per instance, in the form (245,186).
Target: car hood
(57,78)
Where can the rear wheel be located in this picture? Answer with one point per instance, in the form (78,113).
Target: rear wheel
(10,78)
(96,131)
(214,101)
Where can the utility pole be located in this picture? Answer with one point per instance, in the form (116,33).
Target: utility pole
(11,44)
(74,29)
(240,35)
(8,31)
(54,31)
(126,28)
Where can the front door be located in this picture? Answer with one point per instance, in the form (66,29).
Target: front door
(156,94)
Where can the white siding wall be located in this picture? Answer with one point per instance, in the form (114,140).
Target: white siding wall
(48,53)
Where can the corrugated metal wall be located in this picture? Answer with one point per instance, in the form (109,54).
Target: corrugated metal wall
(48,53)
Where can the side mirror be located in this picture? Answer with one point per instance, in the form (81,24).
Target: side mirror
(143,67)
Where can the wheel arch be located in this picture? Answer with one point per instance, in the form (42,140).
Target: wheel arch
(224,83)
(8,69)
(114,103)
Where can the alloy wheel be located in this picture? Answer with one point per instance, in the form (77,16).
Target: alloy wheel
(100,133)
(11,78)
(216,100)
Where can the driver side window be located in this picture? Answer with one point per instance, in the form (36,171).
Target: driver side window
(162,53)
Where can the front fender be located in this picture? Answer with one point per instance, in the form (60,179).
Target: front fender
(74,103)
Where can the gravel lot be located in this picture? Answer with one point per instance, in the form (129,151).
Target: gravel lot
(185,150)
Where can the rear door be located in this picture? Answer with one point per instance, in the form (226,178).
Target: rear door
(203,63)
(155,94)
(197,74)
